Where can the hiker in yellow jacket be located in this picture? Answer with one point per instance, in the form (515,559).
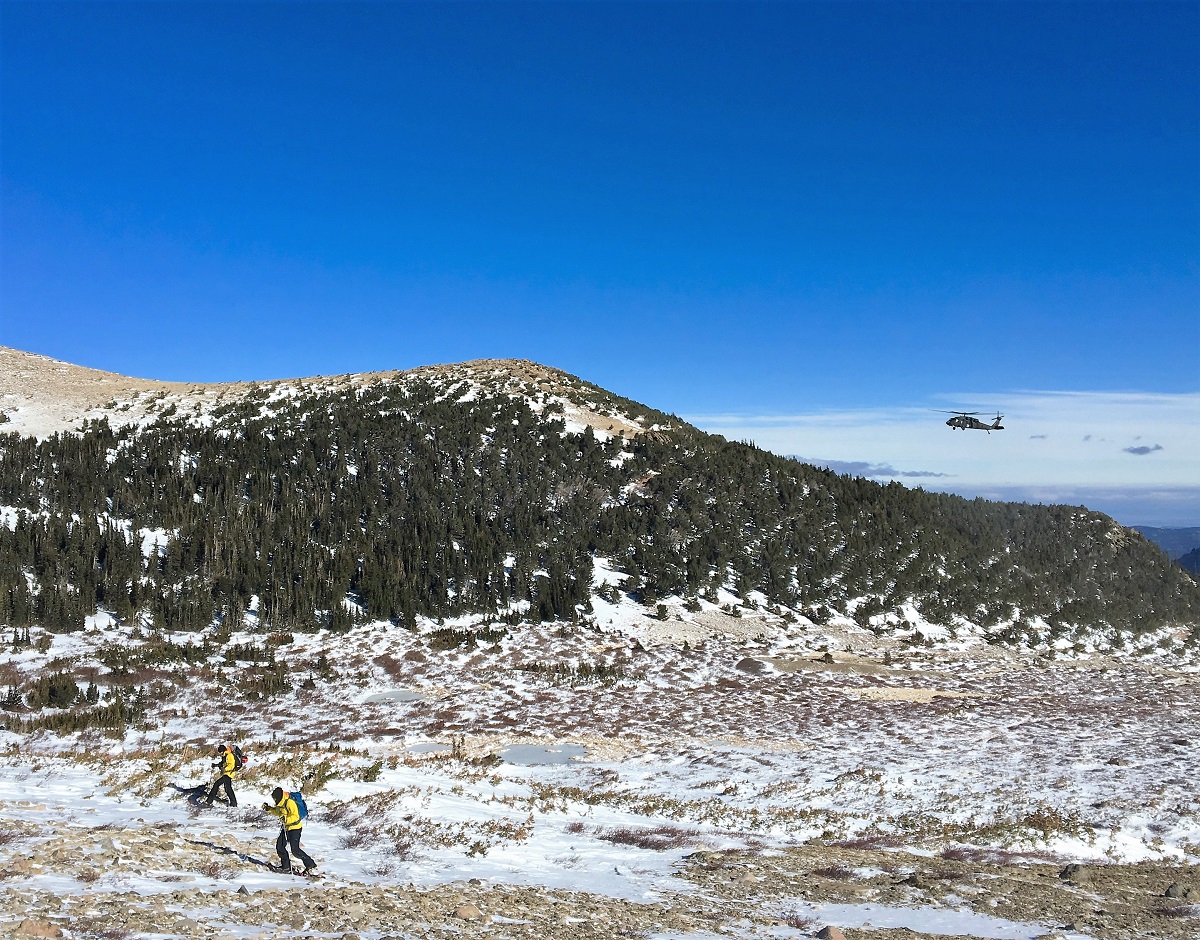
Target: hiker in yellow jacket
(289,835)
(226,764)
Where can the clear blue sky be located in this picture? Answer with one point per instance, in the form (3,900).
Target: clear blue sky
(710,207)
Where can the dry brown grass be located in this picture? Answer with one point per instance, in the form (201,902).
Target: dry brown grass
(658,838)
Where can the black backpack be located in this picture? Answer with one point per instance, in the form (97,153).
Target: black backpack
(239,759)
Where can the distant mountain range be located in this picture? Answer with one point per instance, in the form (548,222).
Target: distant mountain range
(500,488)
(1176,542)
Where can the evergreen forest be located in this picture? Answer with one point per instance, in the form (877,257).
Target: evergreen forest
(401,500)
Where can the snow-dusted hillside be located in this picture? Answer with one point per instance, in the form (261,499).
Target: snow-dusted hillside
(582,750)
(40,396)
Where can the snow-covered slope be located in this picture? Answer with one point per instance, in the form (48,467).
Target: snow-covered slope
(40,396)
(759,778)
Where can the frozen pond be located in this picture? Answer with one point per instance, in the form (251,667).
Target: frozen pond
(395,695)
(430,747)
(532,754)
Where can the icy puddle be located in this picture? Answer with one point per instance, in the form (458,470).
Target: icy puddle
(935,920)
(395,695)
(927,920)
(532,755)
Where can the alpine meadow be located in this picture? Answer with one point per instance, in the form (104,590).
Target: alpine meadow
(546,662)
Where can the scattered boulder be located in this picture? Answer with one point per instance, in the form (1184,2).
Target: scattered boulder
(830,933)
(468,911)
(751,666)
(1075,873)
(32,927)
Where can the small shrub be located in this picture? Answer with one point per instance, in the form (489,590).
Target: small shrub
(371,772)
(448,639)
(1180,910)
(998,857)
(583,674)
(57,690)
(660,838)
(356,839)
(265,682)
(316,778)
(214,870)
(391,665)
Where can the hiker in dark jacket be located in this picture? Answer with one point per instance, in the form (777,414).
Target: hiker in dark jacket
(289,835)
(226,764)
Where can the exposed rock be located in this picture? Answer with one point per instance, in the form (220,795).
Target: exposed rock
(830,933)
(468,911)
(31,927)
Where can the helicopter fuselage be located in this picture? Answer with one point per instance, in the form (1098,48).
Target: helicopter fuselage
(967,423)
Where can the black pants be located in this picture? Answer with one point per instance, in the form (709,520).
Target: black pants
(223,779)
(291,837)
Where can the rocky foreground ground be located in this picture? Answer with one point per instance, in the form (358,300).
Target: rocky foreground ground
(743,893)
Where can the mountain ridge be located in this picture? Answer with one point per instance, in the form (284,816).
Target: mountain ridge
(497,487)
(1176,541)
(41,395)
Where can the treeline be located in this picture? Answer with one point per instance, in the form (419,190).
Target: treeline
(394,501)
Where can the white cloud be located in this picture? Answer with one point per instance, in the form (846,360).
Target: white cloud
(1063,444)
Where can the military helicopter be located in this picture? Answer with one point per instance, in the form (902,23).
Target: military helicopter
(966,421)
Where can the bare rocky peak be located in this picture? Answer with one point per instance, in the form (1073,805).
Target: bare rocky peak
(41,396)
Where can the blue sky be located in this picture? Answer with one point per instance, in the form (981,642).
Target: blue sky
(767,218)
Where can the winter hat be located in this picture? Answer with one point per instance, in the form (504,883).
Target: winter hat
(277,794)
